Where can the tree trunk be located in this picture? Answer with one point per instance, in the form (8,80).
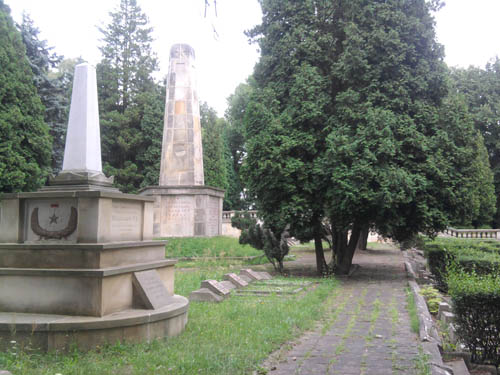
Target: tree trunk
(320,255)
(346,252)
(363,238)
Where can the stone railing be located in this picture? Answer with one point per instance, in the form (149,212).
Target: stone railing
(473,233)
(227,215)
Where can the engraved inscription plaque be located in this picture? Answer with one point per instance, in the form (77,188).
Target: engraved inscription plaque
(215,287)
(213,216)
(151,289)
(126,223)
(236,280)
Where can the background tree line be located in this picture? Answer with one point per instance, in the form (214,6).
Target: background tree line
(131,106)
(351,118)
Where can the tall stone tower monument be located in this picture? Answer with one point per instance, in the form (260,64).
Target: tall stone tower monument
(184,206)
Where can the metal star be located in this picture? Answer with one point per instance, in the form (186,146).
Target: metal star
(53,218)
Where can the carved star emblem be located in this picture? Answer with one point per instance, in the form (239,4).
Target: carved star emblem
(53,218)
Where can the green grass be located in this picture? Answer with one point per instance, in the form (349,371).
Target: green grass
(232,337)
(208,247)
(412,310)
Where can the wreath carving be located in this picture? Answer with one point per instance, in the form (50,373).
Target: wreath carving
(58,234)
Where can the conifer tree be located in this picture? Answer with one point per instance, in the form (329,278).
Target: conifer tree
(51,88)
(25,143)
(126,84)
(344,125)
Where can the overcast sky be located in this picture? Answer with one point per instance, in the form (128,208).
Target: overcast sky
(468,29)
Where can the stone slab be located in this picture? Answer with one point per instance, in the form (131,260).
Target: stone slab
(237,281)
(443,306)
(447,317)
(216,287)
(151,289)
(458,366)
(247,279)
(227,284)
(205,295)
(251,274)
(265,275)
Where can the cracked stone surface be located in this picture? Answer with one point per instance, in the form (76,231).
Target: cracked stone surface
(366,329)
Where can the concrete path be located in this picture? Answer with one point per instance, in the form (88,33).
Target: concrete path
(366,329)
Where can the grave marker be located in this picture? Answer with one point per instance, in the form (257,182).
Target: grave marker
(236,280)
(151,289)
(251,274)
(215,287)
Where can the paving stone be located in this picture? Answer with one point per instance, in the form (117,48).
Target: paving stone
(371,302)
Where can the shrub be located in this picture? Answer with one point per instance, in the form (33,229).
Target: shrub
(432,297)
(476,303)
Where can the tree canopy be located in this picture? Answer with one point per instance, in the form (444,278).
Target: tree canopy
(25,143)
(346,128)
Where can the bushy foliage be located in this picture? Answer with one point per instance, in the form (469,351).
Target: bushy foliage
(274,245)
(476,302)
(463,255)
(432,297)
(25,143)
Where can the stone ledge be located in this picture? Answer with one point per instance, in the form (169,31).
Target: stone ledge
(74,272)
(78,194)
(51,322)
(182,190)
(80,246)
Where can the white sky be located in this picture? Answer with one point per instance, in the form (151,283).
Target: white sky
(468,29)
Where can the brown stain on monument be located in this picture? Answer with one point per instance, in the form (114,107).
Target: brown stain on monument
(180,107)
(56,234)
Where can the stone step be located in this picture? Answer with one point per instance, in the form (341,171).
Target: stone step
(458,366)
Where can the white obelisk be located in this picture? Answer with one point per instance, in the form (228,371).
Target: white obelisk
(83,139)
(82,166)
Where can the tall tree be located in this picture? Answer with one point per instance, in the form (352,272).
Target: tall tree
(214,164)
(481,89)
(25,142)
(344,124)
(125,84)
(52,89)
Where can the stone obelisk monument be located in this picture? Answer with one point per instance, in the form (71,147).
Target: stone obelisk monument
(78,264)
(184,206)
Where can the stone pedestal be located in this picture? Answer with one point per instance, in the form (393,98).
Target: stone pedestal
(81,267)
(186,211)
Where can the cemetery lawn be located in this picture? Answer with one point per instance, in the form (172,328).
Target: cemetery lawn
(232,337)
(220,246)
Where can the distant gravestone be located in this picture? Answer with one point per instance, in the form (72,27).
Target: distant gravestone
(151,289)
(265,275)
(205,295)
(251,274)
(236,280)
(216,287)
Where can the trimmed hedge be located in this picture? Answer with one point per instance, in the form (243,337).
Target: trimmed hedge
(482,258)
(476,304)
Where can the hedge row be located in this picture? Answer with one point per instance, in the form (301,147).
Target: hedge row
(480,258)
(476,304)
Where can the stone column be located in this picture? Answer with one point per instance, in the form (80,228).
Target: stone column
(82,166)
(182,155)
(184,207)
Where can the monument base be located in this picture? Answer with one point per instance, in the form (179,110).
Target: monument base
(186,211)
(80,267)
(48,332)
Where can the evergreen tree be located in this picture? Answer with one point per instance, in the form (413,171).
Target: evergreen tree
(51,89)
(214,164)
(25,142)
(344,124)
(125,85)
(481,89)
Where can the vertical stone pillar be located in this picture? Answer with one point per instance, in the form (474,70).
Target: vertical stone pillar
(184,207)
(182,154)
(82,151)
(82,166)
